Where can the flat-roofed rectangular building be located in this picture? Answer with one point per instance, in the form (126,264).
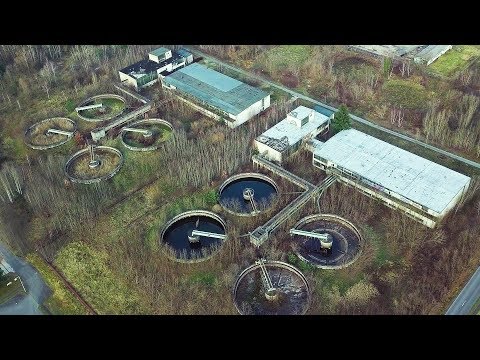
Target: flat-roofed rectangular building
(160,62)
(219,95)
(421,188)
(285,137)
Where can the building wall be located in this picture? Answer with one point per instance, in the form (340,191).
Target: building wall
(431,60)
(157,59)
(179,65)
(455,200)
(268,152)
(249,112)
(441,53)
(391,204)
(364,188)
(127,79)
(274,155)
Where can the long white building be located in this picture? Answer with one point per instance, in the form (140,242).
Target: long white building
(285,137)
(421,188)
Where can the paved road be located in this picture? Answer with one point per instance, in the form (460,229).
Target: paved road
(37,290)
(467,297)
(354,117)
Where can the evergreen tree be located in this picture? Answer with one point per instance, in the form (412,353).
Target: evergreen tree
(341,120)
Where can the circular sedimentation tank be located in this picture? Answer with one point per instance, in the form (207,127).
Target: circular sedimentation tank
(182,245)
(342,247)
(156,133)
(113,106)
(42,135)
(81,169)
(248,194)
(290,294)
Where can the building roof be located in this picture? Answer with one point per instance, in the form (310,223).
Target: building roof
(289,130)
(159,52)
(142,68)
(387,50)
(323,110)
(214,88)
(431,52)
(183,52)
(146,66)
(406,174)
(5,266)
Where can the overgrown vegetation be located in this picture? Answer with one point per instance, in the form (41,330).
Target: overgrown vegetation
(105,237)
(62,301)
(393,93)
(455,59)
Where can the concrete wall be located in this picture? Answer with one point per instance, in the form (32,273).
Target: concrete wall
(165,56)
(455,200)
(268,152)
(167,67)
(378,195)
(441,53)
(193,105)
(127,80)
(274,155)
(421,60)
(249,112)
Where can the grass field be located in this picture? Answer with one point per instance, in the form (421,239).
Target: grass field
(405,94)
(286,56)
(89,271)
(62,301)
(12,290)
(455,60)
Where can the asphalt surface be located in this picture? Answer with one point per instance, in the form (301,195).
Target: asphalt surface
(462,305)
(37,290)
(354,117)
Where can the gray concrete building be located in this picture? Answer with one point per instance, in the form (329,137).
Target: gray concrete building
(286,136)
(217,95)
(424,190)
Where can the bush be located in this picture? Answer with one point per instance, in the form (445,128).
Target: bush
(14,148)
(300,264)
(70,106)
(211,197)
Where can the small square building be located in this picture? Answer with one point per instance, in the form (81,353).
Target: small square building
(286,136)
